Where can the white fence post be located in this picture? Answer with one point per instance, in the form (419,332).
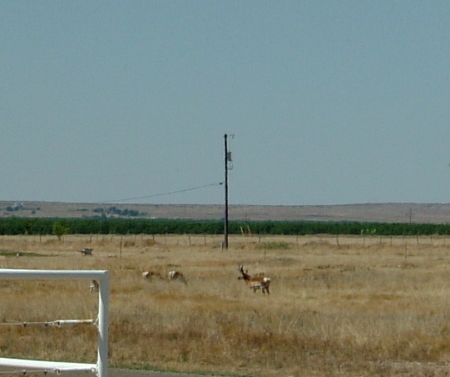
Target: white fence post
(101,367)
(102,358)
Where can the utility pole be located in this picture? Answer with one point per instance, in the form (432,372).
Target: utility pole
(225,228)
(228,166)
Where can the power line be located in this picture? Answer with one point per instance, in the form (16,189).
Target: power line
(164,193)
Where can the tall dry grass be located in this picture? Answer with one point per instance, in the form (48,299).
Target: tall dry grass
(347,306)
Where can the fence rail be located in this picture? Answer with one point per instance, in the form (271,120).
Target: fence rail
(101,367)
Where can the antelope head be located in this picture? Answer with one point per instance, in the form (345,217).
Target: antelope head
(245,275)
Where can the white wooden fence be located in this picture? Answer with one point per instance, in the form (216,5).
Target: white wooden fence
(101,367)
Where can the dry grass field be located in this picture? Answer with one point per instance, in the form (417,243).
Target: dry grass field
(347,306)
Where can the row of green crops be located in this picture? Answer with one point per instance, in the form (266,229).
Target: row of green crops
(42,226)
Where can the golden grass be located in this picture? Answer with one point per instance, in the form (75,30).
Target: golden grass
(346,306)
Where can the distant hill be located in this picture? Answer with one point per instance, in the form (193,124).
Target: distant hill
(384,212)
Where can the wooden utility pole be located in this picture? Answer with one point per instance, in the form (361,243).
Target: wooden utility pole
(225,230)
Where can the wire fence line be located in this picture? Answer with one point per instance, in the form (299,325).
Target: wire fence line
(270,241)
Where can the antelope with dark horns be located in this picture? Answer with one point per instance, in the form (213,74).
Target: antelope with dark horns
(255,282)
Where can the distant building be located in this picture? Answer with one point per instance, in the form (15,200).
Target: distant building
(17,206)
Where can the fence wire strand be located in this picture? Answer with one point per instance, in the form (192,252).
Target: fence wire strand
(56,323)
(24,372)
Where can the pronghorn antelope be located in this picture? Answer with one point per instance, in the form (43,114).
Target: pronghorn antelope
(94,286)
(151,274)
(86,251)
(176,275)
(255,282)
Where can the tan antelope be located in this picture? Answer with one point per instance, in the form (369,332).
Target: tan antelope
(176,275)
(255,282)
(94,286)
(151,274)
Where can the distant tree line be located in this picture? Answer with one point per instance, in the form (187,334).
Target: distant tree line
(118,212)
(45,226)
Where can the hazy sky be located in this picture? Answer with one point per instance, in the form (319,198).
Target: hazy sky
(330,102)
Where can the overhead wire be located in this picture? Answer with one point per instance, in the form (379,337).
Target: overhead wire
(163,193)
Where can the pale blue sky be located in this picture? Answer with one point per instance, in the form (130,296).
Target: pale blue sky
(330,102)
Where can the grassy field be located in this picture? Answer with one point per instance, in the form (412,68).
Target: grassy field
(347,306)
